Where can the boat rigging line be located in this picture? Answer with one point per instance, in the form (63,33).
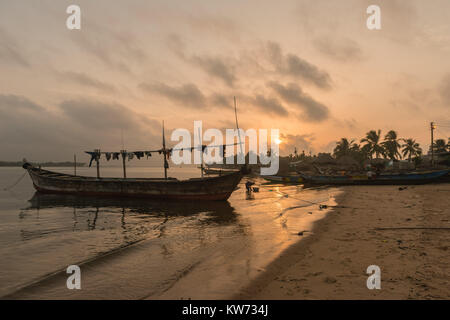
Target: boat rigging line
(15,183)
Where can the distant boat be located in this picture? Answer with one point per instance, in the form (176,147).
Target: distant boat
(382,179)
(210,188)
(284,179)
(217,171)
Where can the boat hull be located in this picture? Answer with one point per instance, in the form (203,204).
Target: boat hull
(214,188)
(399,179)
(284,179)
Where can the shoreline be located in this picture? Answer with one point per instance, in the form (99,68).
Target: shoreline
(331,262)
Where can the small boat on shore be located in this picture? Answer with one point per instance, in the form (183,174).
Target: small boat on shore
(284,179)
(210,188)
(381,179)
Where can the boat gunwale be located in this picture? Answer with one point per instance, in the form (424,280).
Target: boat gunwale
(64,176)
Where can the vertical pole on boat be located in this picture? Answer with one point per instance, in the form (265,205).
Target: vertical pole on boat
(97,160)
(201,151)
(75,164)
(239,133)
(237,125)
(166,165)
(432,126)
(124,155)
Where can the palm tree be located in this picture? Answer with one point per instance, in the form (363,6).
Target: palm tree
(342,148)
(372,140)
(391,145)
(411,148)
(440,146)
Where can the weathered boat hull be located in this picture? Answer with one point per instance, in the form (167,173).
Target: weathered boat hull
(284,179)
(218,171)
(213,188)
(398,179)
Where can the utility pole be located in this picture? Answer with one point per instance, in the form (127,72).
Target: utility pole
(97,160)
(432,127)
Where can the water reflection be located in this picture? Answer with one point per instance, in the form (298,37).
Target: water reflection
(218,211)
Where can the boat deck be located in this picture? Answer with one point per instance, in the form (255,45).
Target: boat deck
(71,177)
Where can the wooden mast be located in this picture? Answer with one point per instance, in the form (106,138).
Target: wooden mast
(432,143)
(237,125)
(124,155)
(166,165)
(201,151)
(97,160)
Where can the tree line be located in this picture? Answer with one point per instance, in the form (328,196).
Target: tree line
(391,147)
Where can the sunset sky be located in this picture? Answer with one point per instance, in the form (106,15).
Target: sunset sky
(310,68)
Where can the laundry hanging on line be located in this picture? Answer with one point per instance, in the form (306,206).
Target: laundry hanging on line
(94,156)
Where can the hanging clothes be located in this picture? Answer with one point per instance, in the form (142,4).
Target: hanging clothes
(115,155)
(139,154)
(148,154)
(94,156)
(130,156)
(166,164)
(108,156)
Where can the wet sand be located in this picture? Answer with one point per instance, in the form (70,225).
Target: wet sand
(405,232)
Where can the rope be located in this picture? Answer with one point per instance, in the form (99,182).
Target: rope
(14,184)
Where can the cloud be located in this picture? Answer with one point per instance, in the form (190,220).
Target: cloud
(220,100)
(111,47)
(216,67)
(30,130)
(11,104)
(312,110)
(297,67)
(98,115)
(187,95)
(10,52)
(176,45)
(300,141)
(269,105)
(350,123)
(216,25)
(343,49)
(444,89)
(85,80)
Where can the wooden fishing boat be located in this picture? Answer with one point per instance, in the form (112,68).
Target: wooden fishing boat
(210,188)
(382,179)
(284,179)
(208,171)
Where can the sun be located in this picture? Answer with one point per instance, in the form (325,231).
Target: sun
(278,141)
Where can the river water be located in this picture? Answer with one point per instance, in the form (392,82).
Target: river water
(136,249)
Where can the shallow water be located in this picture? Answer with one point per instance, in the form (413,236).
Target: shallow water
(134,249)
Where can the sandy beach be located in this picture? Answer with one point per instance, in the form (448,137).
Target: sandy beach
(404,232)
